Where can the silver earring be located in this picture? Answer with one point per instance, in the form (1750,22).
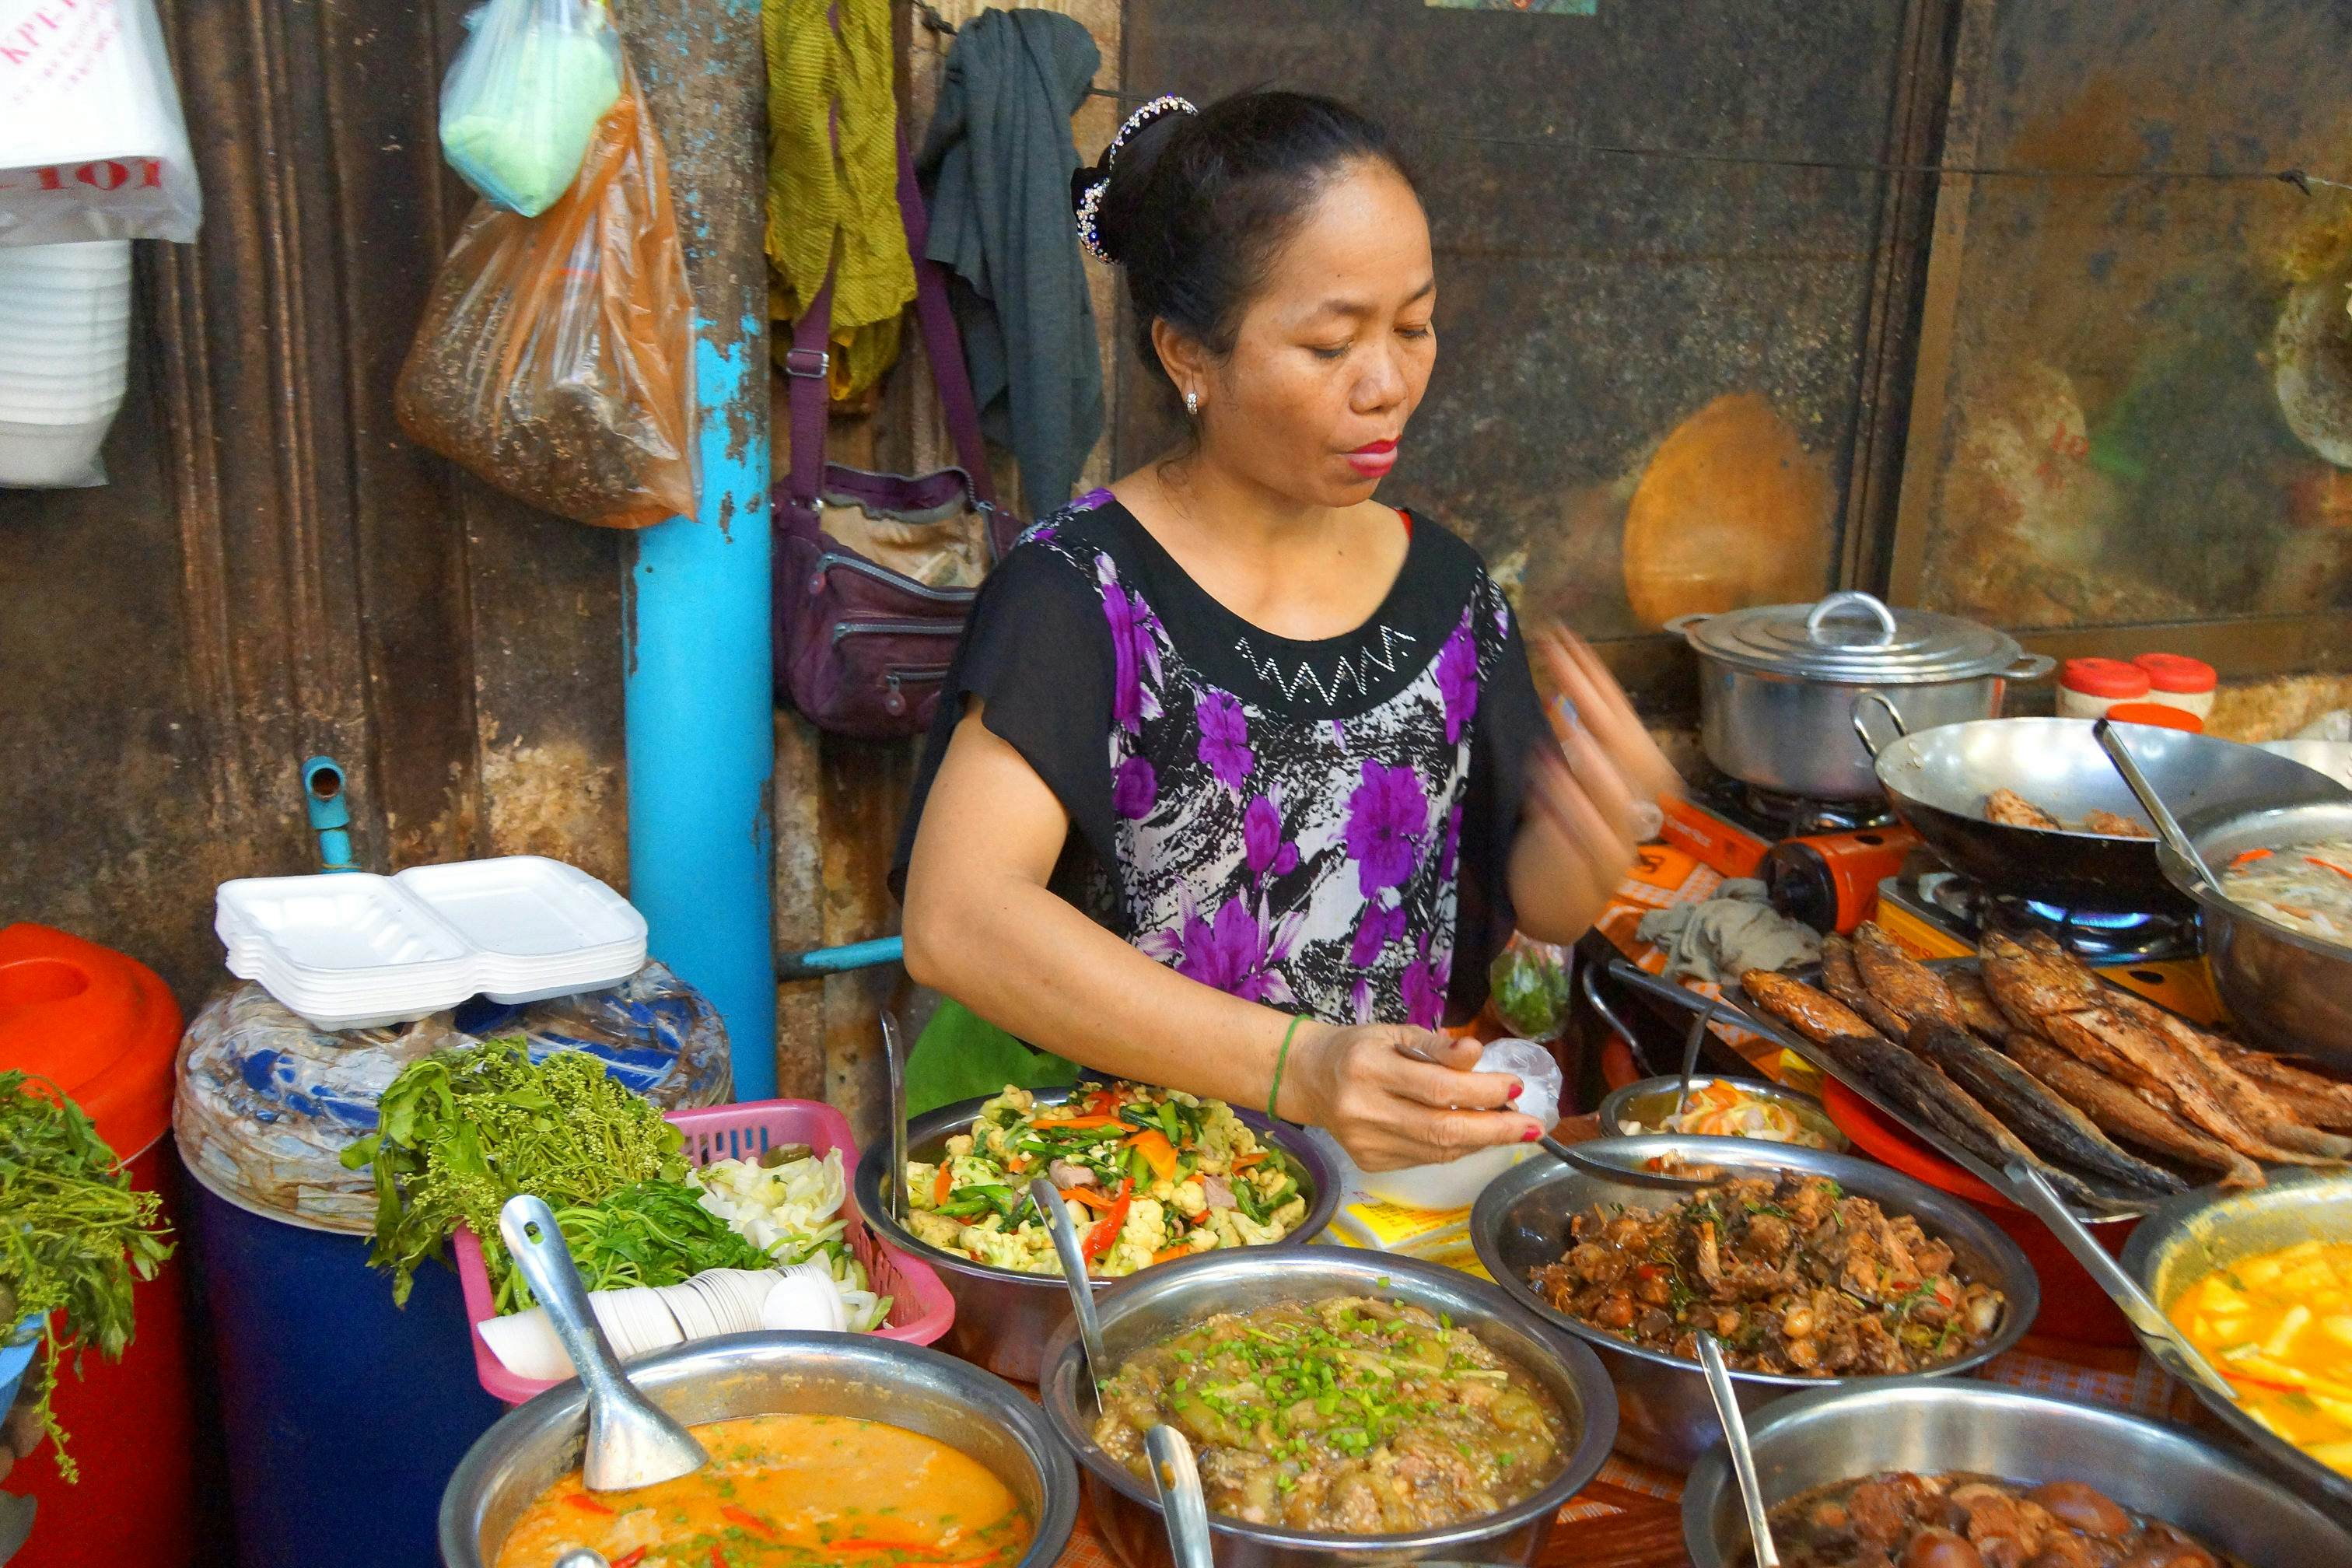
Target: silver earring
(1192,403)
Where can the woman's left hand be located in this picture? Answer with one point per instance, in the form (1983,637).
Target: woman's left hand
(1604,712)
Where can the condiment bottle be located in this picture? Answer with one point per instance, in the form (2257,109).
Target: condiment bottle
(2179,681)
(2087,688)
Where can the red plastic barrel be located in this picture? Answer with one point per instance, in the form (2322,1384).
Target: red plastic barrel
(106,1029)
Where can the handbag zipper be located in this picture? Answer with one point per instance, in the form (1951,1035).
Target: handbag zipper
(830,558)
(895,679)
(895,628)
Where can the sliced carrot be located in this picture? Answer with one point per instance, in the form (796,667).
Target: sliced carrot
(941,1187)
(1254,1156)
(587,1504)
(1158,1152)
(2329,866)
(717,1558)
(748,1519)
(2249,857)
(1098,1201)
(1170,1254)
(1018,1164)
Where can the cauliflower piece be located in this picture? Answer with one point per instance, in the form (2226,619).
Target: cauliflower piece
(1287,1218)
(922,1182)
(959,1145)
(934,1229)
(1190,1199)
(1015,1249)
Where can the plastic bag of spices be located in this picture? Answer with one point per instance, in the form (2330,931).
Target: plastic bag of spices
(556,356)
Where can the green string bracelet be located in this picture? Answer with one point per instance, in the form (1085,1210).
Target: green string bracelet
(1280,1059)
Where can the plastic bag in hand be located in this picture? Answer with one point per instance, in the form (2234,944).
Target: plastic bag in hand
(1529,983)
(524,96)
(92,143)
(556,357)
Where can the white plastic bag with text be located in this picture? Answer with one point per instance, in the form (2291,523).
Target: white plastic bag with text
(92,143)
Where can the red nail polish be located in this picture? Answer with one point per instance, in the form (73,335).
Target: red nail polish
(1532,1135)
(1516,1088)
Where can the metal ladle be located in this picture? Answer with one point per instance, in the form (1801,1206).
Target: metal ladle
(630,1441)
(1691,1046)
(1183,1505)
(894,1066)
(1743,1457)
(2104,731)
(1048,1199)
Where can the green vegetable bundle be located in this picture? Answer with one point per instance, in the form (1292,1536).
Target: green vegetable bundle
(1530,981)
(73,1234)
(655,1233)
(462,1131)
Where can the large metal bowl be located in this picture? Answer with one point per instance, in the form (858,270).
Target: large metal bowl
(1928,1425)
(1004,1317)
(2200,1232)
(911,1386)
(1664,1413)
(2285,990)
(1142,1311)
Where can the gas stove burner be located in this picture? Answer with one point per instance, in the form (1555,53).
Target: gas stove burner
(1796,817)
(2099,937)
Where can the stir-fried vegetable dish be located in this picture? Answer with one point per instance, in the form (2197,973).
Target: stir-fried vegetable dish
(2306,885)
(1792,1276)
(2279,1327)
(1149,1175)
(1896,1519)
(790,1491)
(1352,1413)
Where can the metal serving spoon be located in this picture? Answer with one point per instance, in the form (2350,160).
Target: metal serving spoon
(1183,1505)
(1743,1457)
(1696,1038)
(1048,1199)
(2104,731)
(895,1065)
(630,1441)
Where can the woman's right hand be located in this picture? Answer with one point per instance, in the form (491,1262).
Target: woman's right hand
(1395,1096)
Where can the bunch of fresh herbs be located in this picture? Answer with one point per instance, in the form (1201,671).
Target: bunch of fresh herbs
(459,1132)
(655,1233)
(73,1234)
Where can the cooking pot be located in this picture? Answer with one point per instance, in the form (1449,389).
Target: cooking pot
(1778,685)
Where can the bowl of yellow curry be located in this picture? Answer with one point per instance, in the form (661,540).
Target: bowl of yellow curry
(1149,1176)
(2260,1282)
(824,1448)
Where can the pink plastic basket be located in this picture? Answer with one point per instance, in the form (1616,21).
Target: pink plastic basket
(920,1309)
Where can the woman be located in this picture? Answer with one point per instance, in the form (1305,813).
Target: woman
(1282,741)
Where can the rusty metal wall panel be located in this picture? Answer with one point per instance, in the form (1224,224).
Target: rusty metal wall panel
(1591,303)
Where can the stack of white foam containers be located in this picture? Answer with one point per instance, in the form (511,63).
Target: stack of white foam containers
(65,344)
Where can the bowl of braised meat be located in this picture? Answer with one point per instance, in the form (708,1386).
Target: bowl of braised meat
(1810,1267)
(1953,1473)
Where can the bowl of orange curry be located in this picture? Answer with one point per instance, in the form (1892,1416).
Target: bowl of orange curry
(824,1448)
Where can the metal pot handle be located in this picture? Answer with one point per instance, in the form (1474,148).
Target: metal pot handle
(1863,729)
(1681,625)
(1848,599)
(2031,667)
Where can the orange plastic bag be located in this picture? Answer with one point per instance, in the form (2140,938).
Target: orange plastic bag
(556,357)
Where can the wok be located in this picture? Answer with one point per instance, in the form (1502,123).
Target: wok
(1937,781)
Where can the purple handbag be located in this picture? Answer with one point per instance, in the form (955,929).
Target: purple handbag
(863,647)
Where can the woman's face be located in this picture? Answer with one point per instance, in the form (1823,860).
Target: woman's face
(1334,352)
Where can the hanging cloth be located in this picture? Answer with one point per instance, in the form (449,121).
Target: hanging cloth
(835,207)
(998,161)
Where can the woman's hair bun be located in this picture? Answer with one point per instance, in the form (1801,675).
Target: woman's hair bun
(1097,202)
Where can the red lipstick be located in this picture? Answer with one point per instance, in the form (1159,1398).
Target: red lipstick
(1374,458)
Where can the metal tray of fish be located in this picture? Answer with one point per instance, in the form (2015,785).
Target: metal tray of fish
(2107,1202)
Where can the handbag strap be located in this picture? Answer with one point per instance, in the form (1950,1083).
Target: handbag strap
(808,367)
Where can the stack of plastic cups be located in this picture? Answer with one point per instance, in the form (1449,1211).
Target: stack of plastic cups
(65,343)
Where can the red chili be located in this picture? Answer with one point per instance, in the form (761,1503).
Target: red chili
(1106,1230)
(630,1559)
(581,1501)
(717,1558)
(749,1520)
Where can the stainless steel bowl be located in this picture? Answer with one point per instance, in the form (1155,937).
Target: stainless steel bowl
(1004,1317)
(1664,1413)
(1142,1311)
(1652,1099)
(2199,1232)
(2285,990)
(911,1386)
(1926,1425)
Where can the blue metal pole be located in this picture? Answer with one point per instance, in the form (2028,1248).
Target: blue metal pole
(698,685)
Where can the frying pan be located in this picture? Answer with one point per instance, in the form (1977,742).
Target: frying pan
(1937,781)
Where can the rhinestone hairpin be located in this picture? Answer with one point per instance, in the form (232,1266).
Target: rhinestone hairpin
(1090,205)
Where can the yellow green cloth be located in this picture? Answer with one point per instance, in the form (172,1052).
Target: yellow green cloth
(830,209)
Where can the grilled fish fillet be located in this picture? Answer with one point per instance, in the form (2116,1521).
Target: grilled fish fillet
(1968,989)
(1903,985)
(1843,981)
(2046,1121)
(2323,1101)
(2116,827)
(1819,1018)
(2125,1115)
(2010,809)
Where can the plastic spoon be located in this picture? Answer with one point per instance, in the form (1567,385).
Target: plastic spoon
(1048,1199)
(1182,1503)
(2031,1190)
(2104,730)
(895,1065)
(630,1442)
(1743,1458)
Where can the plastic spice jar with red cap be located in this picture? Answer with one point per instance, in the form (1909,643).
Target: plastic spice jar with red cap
(2087,688)
(2179,681)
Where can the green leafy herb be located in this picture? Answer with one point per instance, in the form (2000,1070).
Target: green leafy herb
(655,1233)
(462,1131)
(73,1236)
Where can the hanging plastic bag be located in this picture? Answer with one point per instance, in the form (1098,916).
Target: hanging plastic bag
(556,356)
(1529,982)
(524,96)
(92,145)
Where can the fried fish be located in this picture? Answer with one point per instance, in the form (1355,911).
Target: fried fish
(2010,809)
(2123,1114)
(2043,1119)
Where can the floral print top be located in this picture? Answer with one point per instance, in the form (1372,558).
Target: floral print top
(1321,827)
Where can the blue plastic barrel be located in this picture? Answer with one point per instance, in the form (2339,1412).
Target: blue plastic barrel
(343,1415)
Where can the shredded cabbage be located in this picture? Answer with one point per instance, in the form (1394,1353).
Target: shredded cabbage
(793,1212)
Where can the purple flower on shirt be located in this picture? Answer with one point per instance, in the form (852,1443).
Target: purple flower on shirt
(1134,649)
(1452,848)
(1224,738)
(1424,984)
(1092,500)
(1457,679)
(1236,951)
(1262,840)
(1379,928)
(1388,815)
(1133,788)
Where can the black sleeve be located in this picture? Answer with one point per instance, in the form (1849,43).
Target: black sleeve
(1509,725)
(1037,653)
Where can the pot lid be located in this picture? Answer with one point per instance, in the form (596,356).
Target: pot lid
(1851,636)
